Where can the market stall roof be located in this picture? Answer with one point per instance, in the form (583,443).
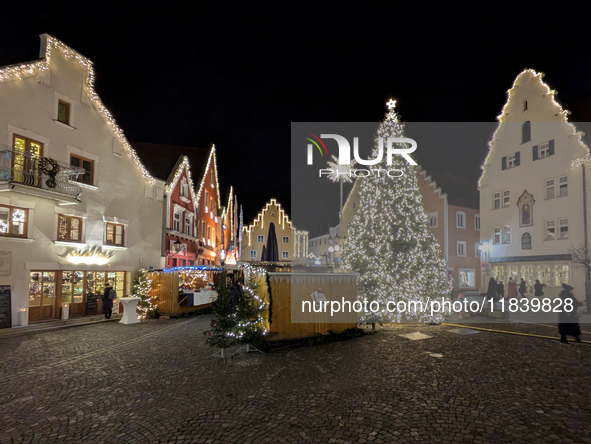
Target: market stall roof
(190,268)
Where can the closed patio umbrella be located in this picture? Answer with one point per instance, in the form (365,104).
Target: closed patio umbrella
(272,247)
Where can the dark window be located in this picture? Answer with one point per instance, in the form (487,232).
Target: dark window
(63,112)
(87,164)
(526,132)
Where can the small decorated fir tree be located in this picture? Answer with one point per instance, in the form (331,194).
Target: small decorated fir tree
(249,328)
(223,325)
(140,288)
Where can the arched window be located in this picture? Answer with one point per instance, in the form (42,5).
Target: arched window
(526,132)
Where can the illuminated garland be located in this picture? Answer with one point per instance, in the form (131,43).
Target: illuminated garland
(390,245)
(177,175)
(502,118)
(211,160)
(16,72)
(283,218)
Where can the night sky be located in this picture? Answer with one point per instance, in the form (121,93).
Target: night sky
(237,76)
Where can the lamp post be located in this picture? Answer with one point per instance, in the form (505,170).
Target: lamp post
(483,247)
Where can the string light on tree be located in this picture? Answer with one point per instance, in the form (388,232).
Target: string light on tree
(389,242)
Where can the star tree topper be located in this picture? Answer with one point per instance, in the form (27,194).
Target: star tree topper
(391,104)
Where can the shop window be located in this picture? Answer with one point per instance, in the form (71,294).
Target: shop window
(42,294)
(63,112)
(69,228)
(13,221)
(466,278)
(88,165)
(115,234)
(72,287)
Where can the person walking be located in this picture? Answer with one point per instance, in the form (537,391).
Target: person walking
(512,289)
(108,296)
(491,293)
(522,288)
(501,290)
(568,321)
(538,288)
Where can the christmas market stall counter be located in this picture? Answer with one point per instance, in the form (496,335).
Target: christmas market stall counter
(287,292)
(181,290)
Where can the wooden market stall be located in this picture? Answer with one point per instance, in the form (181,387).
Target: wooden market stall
(183,289)
(285,290)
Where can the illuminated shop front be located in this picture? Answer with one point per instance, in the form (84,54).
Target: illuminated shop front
(552,273)
(81,290)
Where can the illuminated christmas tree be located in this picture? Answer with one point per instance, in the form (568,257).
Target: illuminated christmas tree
(389,242)
(223,325)
(140,288)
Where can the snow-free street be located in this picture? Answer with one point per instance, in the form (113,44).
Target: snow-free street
(154,382)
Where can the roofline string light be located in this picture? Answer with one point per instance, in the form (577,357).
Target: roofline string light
(561,111)
(20,71)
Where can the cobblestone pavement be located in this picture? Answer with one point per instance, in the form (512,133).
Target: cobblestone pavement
(155,382)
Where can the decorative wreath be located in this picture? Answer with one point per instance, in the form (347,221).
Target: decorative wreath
(49,166)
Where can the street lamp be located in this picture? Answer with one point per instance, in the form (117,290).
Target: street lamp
(177,246)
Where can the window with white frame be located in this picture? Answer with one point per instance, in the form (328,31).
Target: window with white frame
(563,186)
(208,235)
(176,222)
(260,238)
(497,236)
(253,254)
(506,234)
(460,219)
(184,188)
(544,150)
(461,248)
(284,255)
(433,220)
(477,222)
(286,239)
(506,198)
(550,227)
(188,225)
(550,189)
(496,201)
(563,228)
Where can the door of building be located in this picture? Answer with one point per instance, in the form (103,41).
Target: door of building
(42,297)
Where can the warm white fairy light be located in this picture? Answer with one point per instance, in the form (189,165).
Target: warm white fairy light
(502,118)
(184,166)
(390,245)
(211,163)
(39,67)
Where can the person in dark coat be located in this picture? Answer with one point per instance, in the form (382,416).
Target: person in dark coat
(522,288)
(501,290)
(234,296)
(511,289)
(491,293)
(538,288)
(568,321)
(108,297)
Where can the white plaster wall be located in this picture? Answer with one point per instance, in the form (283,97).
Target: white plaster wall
(29,108)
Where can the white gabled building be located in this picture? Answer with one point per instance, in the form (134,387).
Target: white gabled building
(532,191)
(78,211)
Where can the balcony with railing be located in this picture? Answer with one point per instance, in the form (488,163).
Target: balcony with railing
(28,173)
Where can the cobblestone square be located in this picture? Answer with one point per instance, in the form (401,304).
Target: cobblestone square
(156,382)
